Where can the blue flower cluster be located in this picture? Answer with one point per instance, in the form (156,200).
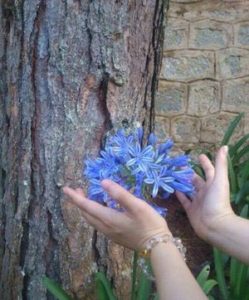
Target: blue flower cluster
(146,171)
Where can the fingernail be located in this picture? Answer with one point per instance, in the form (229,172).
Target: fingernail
(105,183)
(225,149)
(64,189)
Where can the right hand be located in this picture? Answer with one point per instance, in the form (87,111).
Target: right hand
(210,205)
(131,228)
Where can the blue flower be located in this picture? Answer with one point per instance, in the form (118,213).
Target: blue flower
(182,187)
(109,164)
(183,180)
(96,191)
(93,168)
(143,170)
(139,135)
(178,161)
(141,158)
(119,145)
(165,147)
(138,191)
(183,175)
(152,139)
(159,179)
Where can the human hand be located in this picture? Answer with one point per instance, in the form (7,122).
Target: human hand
(131,228)
(210,205)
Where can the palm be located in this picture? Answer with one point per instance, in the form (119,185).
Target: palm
(210,203)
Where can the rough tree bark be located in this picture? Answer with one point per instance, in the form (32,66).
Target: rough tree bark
(70,71)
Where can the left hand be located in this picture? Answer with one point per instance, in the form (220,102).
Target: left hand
(209,207)
(131,228)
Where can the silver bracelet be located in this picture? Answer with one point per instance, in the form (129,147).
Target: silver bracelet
(164,238)
(144,254)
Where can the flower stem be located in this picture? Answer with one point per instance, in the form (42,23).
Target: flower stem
(134,276)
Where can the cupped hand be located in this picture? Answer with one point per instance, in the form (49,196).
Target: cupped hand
(210,204)
(131,228)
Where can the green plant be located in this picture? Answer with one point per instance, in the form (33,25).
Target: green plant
(55,289)
(103,287)
(142,288)
(205,283)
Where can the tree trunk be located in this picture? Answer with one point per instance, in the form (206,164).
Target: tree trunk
(71,70)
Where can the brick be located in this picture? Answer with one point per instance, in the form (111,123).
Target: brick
(204,98)
(214,10)
(236,95)
(170,98)
(183,65)
(242,34)
(185,1)
(185,129)
(210,35)
(232,63)
(162,128)
(213,127)
(176,34)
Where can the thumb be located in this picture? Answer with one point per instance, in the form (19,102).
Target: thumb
(221,164)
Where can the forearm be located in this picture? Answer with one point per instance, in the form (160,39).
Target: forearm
(231,235)
(173,278)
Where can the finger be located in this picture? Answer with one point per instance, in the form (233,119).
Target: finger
(90,207)
(126,199)
(221,169)
(96,223)
(184,200)
(198,182)
(207,167)
(80,192)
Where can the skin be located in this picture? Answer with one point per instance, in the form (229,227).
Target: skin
(209,212)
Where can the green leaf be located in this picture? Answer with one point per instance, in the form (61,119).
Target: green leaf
(198,169)
(134,276)
(241,153)
(243,171)
(233,149)
(244,211)
(156,297)
(55,289)
(234,265)
(209,285)
(144,287)
(203,275)
(232,176)
(103,287)
(231,128)
(241,280)
(243,192)
(219,268)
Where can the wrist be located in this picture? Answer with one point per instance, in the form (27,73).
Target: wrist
(164,238)
(219,226)
(151,234)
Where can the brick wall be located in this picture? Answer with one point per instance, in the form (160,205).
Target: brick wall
(204,80)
